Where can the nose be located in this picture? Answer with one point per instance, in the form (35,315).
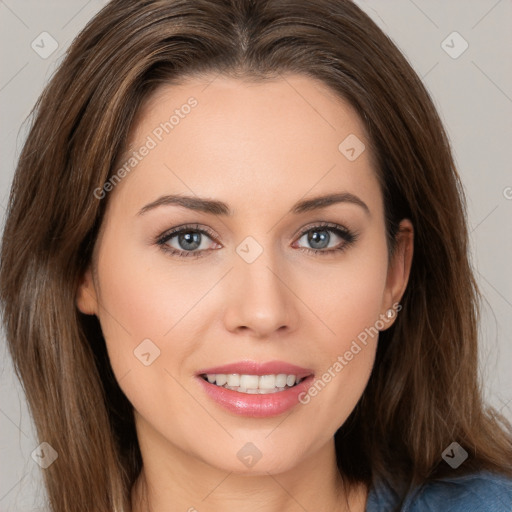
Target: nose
(260,298)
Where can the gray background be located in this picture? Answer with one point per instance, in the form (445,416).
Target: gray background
(473,93)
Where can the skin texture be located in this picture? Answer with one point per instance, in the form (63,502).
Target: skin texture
(259,147)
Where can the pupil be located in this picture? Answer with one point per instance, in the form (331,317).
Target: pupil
(313,239)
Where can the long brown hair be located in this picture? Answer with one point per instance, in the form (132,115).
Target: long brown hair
(424,391)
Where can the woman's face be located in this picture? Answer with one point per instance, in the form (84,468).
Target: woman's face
(242,284)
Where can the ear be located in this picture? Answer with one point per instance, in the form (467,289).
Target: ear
(86,297)
(398,270)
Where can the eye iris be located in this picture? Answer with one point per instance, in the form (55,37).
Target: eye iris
(189,240)
(313,239)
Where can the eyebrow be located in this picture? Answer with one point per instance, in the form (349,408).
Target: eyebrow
(219,208)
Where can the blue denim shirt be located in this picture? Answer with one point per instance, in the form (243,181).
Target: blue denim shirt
(477,492)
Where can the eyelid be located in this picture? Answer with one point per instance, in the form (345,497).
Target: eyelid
(323,224)
(186,227)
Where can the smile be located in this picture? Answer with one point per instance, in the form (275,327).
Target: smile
(253,384)
(253,389)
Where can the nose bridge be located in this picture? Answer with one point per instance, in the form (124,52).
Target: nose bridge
(259,297)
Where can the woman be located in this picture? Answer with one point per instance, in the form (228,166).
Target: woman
(235,271)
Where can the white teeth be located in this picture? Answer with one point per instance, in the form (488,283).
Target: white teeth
(221,379)
(290,380)
(281,380)
(234,379)
(249,381)
(253,384)
(267,382)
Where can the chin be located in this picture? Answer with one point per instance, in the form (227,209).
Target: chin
(257,457)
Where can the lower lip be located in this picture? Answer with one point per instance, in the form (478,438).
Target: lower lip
(256,406)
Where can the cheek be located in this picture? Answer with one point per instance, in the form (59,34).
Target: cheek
(347,296)
(144,295)
(144,323)
(347,299)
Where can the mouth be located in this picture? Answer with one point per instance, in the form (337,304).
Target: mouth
(255,389)
(253,384)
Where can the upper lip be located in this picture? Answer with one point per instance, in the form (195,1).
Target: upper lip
(258,368)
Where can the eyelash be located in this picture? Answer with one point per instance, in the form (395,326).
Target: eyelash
(341,231)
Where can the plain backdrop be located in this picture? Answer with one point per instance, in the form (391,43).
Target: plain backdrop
(469,76)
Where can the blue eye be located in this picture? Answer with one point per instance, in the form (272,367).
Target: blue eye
(319,238)
(191,240)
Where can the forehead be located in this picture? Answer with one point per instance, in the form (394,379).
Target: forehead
(267,139)
(274,104)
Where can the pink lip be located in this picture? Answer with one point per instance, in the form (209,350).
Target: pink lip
(255,368)
(257,406)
